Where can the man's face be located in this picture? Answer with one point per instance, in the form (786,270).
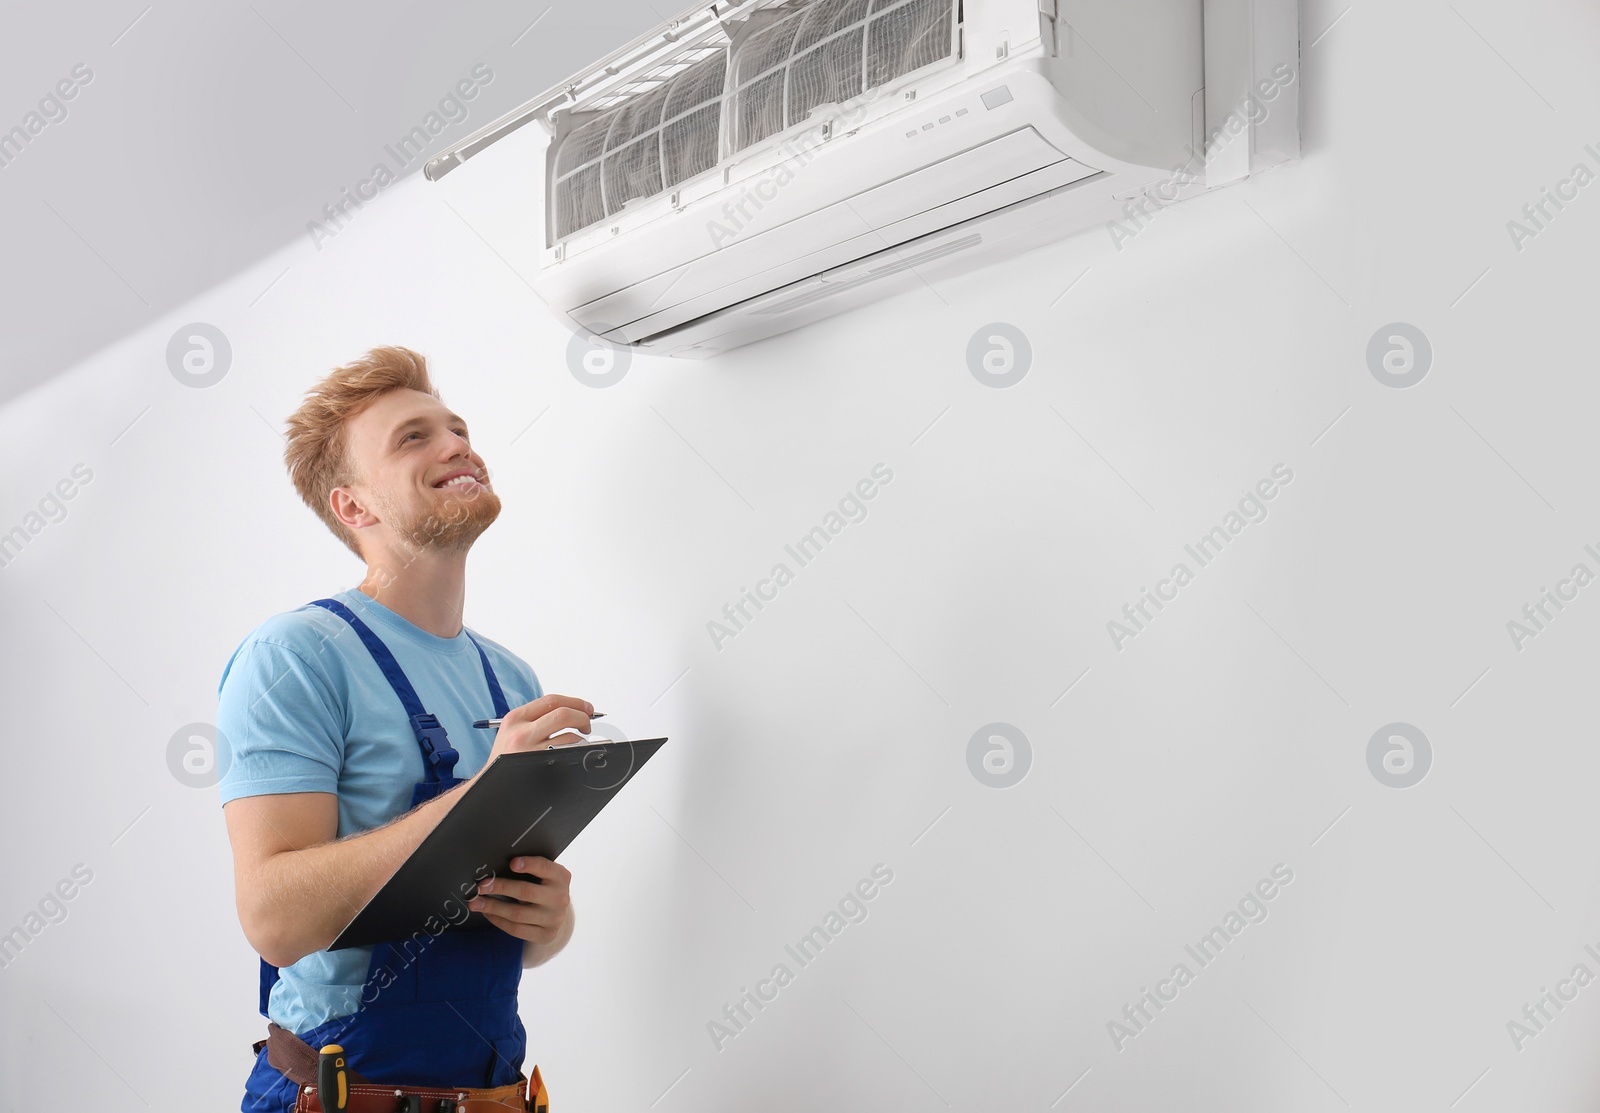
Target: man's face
(406,445)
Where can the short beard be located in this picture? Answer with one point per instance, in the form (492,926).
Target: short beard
(457,522)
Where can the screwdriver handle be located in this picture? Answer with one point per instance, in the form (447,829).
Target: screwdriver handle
(333,1086)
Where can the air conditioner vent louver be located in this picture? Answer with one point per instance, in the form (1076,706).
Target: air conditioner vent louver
(898,262)
(816,53)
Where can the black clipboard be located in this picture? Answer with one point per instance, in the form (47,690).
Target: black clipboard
(529,803)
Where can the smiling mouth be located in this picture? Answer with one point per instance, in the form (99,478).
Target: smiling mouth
(463,482)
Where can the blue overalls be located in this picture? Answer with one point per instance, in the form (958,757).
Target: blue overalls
(445,1016)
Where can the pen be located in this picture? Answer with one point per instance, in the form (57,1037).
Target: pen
(483,724)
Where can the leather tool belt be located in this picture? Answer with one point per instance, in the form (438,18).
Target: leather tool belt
(298,1062)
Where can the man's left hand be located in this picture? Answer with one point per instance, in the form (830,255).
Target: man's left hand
(542,907)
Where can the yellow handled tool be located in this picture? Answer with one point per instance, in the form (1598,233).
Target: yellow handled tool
(539,1100)
(333,1085)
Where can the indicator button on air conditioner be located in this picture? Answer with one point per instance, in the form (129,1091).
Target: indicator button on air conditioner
(912,134)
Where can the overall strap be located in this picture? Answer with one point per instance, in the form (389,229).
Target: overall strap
(438,756)
(495,694)
(380,653)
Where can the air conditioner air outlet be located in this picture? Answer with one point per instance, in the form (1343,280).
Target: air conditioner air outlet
(773,253)
(842,257)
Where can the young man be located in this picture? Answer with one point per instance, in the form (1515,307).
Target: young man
(334,771)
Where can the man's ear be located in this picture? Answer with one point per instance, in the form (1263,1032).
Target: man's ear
(349,507)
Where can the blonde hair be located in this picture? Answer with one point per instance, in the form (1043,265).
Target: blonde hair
(317,446)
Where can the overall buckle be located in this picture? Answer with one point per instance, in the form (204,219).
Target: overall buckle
(436,748)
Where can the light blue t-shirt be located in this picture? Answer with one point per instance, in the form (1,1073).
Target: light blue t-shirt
(303,707)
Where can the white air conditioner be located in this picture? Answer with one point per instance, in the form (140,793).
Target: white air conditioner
(750,167)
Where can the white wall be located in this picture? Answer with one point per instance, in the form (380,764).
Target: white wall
(1227,737)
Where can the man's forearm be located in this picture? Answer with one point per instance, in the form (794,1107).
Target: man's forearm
(313,893)
(535,954)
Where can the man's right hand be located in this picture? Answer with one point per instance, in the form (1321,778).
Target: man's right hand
(530,726)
